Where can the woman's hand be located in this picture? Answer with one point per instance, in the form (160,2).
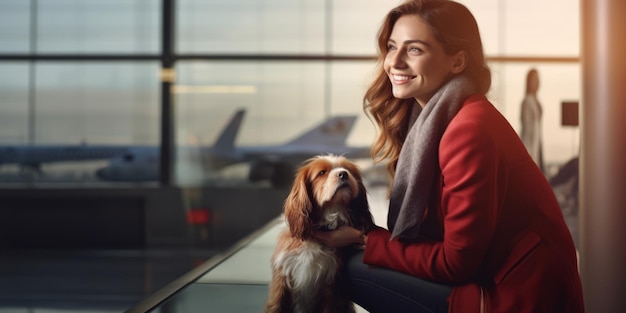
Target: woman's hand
(341,237)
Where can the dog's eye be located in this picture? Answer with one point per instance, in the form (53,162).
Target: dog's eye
(321,173)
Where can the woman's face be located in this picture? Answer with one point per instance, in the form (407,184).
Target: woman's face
(415,62)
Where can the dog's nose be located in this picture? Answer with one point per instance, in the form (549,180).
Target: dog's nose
(342,175)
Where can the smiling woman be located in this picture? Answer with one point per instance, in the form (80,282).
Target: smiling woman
(473,225)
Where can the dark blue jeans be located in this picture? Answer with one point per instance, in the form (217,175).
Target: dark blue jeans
(383,290)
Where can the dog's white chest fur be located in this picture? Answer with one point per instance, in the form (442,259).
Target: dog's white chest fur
(307,269)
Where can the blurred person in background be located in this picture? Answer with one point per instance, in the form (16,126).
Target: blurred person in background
(531,113)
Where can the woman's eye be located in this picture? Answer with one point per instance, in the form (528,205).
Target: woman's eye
(415,50)
(390,47)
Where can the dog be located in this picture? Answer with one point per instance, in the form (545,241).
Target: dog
(327,193)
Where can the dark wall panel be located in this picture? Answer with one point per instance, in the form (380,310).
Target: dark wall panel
(72,222)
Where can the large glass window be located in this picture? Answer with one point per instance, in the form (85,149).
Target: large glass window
(277,60)
(251,26)
(74,26)
(280,98)
(112,26)
(14,26)
(14,102)
(518,28)
(72,113)
(63,119)
(96,103)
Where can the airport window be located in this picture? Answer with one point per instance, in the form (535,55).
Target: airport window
(70,26)
(72,114)
(289,94)
(251,27)
(89,73)
(14,26)
(96,103)
(14,99)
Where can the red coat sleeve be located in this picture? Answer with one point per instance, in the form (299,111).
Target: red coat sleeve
(469,204)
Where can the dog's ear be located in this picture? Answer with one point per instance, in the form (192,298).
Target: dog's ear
(360,210)
(298,207)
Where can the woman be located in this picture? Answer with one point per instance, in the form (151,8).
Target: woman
(473,224)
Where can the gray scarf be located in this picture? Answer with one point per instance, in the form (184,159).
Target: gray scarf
(418,163)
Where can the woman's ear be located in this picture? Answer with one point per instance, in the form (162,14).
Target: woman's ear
(460,62)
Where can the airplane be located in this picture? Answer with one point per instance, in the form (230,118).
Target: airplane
(138,164)
(279,162)
(127,163)
(276,163)
(31,157)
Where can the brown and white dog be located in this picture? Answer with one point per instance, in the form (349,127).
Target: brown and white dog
(328,192)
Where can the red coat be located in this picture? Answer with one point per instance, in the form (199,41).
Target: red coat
(494,226)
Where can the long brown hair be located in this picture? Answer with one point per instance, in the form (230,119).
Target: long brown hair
(456,29)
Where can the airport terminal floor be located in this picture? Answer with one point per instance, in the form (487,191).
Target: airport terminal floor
(167,281)
(233,282)
(96,281)
(107,281)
